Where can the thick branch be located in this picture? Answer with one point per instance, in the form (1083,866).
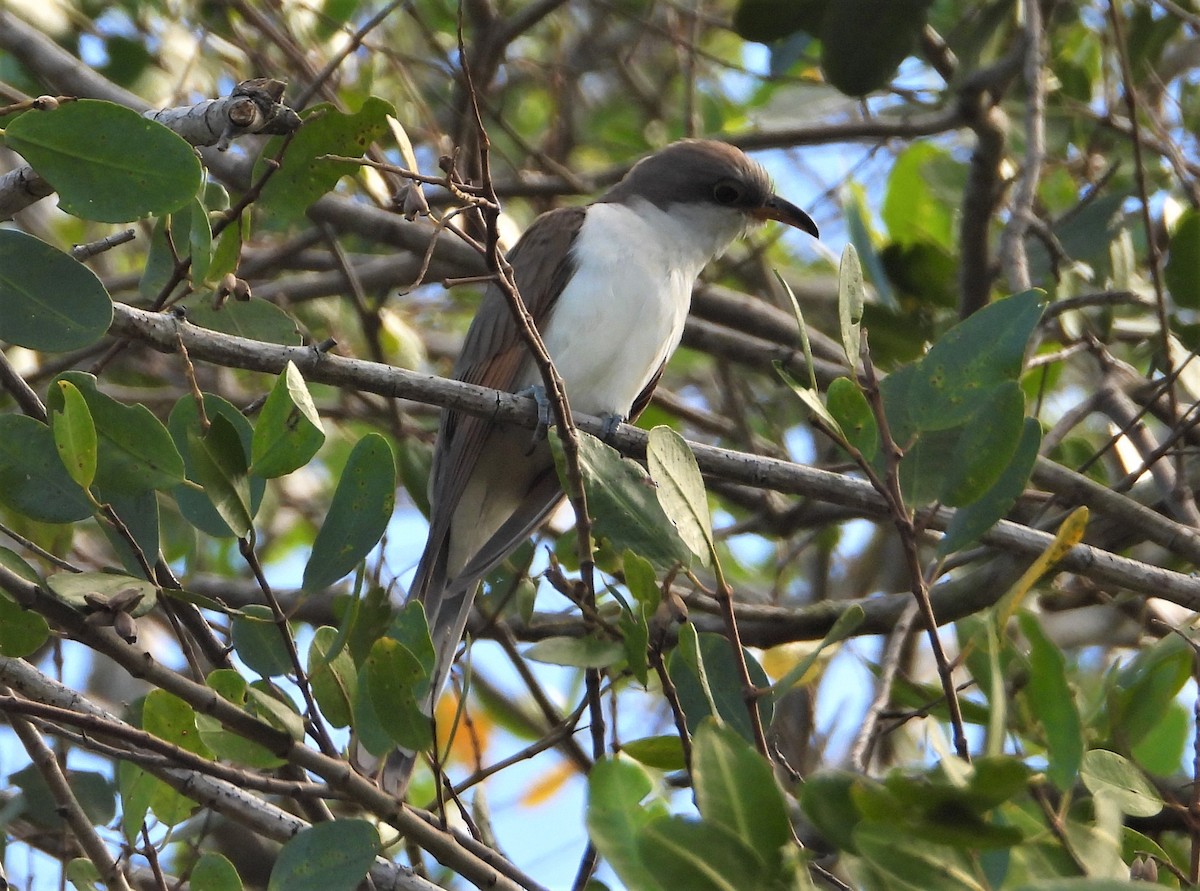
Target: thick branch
(164,333)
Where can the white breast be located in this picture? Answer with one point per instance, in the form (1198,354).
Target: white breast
(622,313)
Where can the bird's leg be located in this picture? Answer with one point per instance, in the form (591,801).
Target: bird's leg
(538,393)
(611,423)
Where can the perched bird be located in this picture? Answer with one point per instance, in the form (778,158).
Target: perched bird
(608,286)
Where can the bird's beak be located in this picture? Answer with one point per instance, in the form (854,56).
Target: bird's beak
(782,210)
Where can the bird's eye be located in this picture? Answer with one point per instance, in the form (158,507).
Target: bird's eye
(727,192)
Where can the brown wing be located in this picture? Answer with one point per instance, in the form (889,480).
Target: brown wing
(494,355)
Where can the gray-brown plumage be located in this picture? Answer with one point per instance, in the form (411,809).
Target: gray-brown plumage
(608,287)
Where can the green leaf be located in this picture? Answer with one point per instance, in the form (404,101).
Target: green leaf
(22,631)
(659,752)
(200,241)
(358,514)
(75,435)
(681,491)
(304,175)
(735,789)
(258,641)
(812,400)
(716,660)
(398,685)
(332,856)
(411,628)
(1182,272)
(214,872)
(634,626)
(623,502)
(271,705)
(827,799)
(139,512)
(616,818)
(970,359)
(579,652)
(640,579)
(858,57)
(48,300)
(289,430)
(169,718)
(107,162)
(218,460)
(253,319)
(1160,751)
(921,864)
(225,744)
(921,204)
(851,297)
(972,521)
(93,790)
(1053,704)
(863,237)
(83,875)
(698,856)
(137,789)
(986,446)
(1144,687)
(853,415)
(33,480)
(805,343)
(183,422)
(159,270)
(1109,774)
(227,249)
(136,453)
(333,676)
(766,21)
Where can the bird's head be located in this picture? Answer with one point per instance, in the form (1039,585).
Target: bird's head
(702,173)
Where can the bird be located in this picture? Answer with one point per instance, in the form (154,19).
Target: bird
(608,286)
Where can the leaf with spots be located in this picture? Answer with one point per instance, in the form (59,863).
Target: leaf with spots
(306,173)
(963,367)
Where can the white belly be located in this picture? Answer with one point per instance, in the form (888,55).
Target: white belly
(622,314)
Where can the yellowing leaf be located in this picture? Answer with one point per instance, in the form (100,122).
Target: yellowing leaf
(471,737)
(1070,533)
(548,785)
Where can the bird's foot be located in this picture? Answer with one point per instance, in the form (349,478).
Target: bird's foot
(611,423)
(538,393)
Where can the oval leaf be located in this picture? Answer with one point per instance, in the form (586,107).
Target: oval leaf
(33,480)
(333,856)
(850,409)
(289,431)
(75,435)
(680,489)
(135,451)
(579,652)
(623,503)
(398,684)
(184,421)
(358,515)
(863,42)
(107,162)
(1110,774)
(970,359)
(986,447)
(48,300)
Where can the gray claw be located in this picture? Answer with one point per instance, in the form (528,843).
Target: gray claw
(538,392)
(611,423)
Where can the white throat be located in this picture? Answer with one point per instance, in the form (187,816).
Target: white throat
(622,313)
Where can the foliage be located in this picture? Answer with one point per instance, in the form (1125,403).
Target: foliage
(939,489)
